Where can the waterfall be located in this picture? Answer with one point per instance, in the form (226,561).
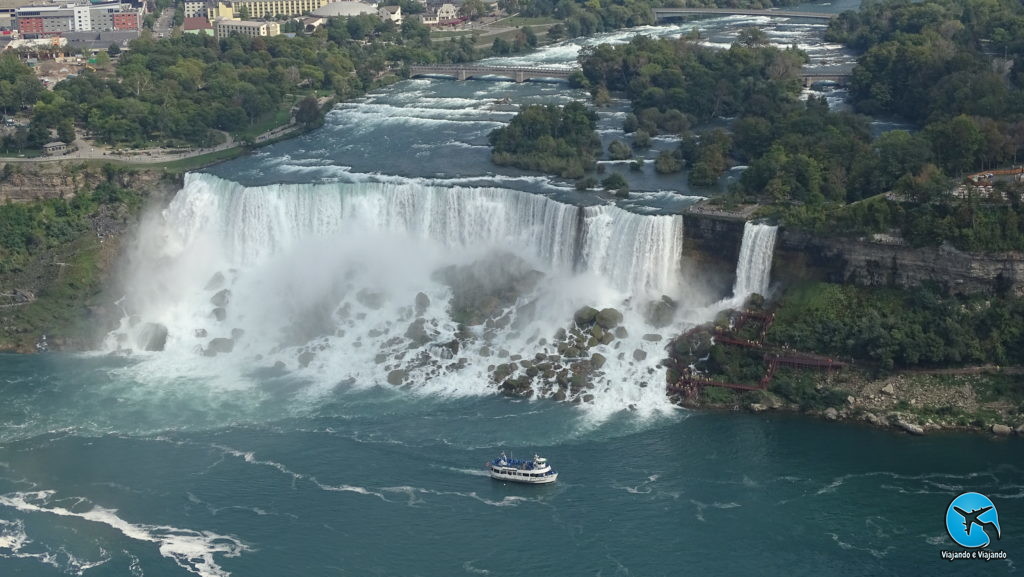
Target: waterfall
(754,267)
(637,254)
(403,281)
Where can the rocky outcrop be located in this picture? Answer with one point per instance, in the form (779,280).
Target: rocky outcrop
(152,337)
(28,181)
(887,262)
(713,243)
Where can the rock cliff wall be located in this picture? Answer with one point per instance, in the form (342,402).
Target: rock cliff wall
(712,243)
(868,263)
(24,182)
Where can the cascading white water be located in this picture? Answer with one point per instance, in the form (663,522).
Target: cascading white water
(326,280)
(754,266)
(637,254)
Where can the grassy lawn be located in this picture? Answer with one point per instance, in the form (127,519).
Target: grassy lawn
(446,34)
(519,21)
(280,117)
(21,153)
(174,166)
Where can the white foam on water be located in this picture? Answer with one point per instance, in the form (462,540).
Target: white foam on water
(194,551)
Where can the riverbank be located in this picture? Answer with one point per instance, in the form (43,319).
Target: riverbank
(783,356)
(917,403)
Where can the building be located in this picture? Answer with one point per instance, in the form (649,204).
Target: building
(392,13)
(55,148)
(224,28)
(345,8)
(197,25)
(195,9)
(262,8)
(59,19)
(311,23)
(447,12)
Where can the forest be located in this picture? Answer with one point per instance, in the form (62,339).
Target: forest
(900,329)
(181,91)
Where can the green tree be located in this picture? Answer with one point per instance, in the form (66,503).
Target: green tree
(308,111)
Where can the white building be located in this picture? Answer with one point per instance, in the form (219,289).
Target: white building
(392,13)
(196,9)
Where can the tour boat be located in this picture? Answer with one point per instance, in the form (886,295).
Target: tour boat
(535,471)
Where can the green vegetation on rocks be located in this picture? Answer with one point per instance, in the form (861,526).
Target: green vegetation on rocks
(560,140)
(901,329)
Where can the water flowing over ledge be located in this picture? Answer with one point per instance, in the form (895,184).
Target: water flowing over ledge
(754,266)
(637,253)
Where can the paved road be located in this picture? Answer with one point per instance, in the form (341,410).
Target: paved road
(87,149)
(162,27)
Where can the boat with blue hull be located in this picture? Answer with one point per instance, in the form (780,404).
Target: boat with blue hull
(534,471)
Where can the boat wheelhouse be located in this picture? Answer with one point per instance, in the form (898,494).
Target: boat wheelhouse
(532,471)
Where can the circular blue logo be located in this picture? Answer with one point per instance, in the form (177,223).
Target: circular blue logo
(972,521)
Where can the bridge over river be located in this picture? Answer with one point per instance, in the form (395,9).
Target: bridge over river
(665,13)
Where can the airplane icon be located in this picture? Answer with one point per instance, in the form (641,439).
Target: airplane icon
(972,519)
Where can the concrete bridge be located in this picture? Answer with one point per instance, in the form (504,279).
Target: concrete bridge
(664,13)
(468,71)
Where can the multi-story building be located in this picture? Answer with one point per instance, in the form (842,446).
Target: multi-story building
(392,13)
(56,20)
(196,9)
(262,8)
(224,28)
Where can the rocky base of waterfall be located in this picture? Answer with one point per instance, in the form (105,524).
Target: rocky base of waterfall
(915,403)
(487,319)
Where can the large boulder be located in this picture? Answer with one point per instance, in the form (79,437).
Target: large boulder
(909,427)
(609,318)
(585,316)
(370,299)
(597,361)
(219,345)
(422,302)
(660,313)
(1001,430)
(397,377)
(152,337)
(306,357)
(215,282)
(417,333)
(221,298)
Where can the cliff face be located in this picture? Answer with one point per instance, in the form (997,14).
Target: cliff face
(867,263)
(713,245)
(66,292)
(27,181)
(711,248)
